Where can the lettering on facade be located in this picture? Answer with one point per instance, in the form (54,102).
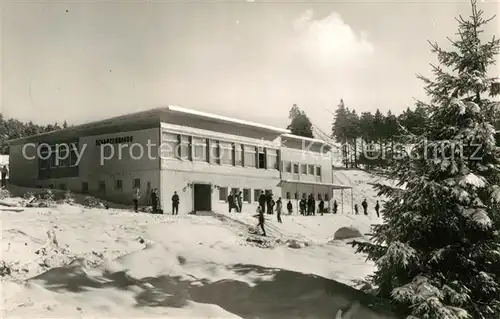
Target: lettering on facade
(115,140)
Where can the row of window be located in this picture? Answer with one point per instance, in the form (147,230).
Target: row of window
(219,152)
(247,194)
(118,185)
(67,157)
(304,169)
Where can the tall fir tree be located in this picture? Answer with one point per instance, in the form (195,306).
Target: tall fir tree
(438,250)
(300,123)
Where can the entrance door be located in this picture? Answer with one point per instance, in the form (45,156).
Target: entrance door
(202,197)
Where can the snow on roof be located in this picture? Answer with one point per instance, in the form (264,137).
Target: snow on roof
(298,137)
(179,109)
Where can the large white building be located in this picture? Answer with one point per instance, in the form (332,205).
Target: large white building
(214,156)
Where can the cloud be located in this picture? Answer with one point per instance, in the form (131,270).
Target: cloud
(330,41)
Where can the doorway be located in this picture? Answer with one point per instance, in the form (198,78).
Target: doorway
(202,194)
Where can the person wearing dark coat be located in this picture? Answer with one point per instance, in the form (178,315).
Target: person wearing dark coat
(175,204)
(230,202)
(260,215)
(321,207)
(364,204)
(302,206)
(289,207)
(279,207)
(309,205)
(154,201)
(262,202)
(335,206)
(356,211)
(313,210)
(269,202)
(377,209)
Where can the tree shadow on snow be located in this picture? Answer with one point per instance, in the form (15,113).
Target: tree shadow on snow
(277,293)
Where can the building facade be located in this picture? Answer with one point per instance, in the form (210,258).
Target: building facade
(201,156)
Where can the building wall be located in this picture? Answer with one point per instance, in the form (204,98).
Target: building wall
(178,174)
(23,171)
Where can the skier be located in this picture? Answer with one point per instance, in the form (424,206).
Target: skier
(262,201)
(5,171)
(289,207)
(240,201)
(230,201)
(175,204)
(279,207)
(321,206)
(356,209)
(260,215)
(377,208)
(137,196)
(335,206)
(365,207)
(154,200)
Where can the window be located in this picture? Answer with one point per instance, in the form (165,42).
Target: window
(262,159)
(102,186)
(119,184)
(247,196)
(53,151)
(73,157)
(238,154)
(85,187)
(223,193)
(311,169)
(249,156)
(319,196)
(63,156)
(304,195)
(62,187)
(303,169)
(288,195)
(272,158)
(296,196)
(214,152)
(295,168)
(51,186)
(226,153)
(256,194)
(268,192)
(287,166)
(137,183)
(199,149)
(185,148)
(318,171)
(169,145)
(235,191)
(326,197)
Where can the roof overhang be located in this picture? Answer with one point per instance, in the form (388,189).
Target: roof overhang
(225,119)
(310,183)
(303,138)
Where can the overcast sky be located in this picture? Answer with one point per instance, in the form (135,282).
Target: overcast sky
(83,61)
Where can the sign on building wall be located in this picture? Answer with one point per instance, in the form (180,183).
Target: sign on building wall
(115,140)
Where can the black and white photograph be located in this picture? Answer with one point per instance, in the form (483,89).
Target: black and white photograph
(253,159)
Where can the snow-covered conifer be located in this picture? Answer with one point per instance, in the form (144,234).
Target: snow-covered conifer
(438,250)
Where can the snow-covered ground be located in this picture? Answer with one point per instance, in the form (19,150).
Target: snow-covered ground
(71,261)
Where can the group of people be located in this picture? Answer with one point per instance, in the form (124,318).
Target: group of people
(364,204)
(155,201)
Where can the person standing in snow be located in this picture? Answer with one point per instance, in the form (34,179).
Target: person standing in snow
(310,205)
(5,171)
(269,202)
(262,201)
(321,206)
(335,206)
(230,202)
(365,207)
(175,204)
(302,206)
(377,209)
(278,209)
(356,211)
(240,202)
(289,207)
(154,200)
(137,196)
(260,215)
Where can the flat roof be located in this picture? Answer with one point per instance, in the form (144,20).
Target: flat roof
(334,186)
(151,115)
(303,138)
